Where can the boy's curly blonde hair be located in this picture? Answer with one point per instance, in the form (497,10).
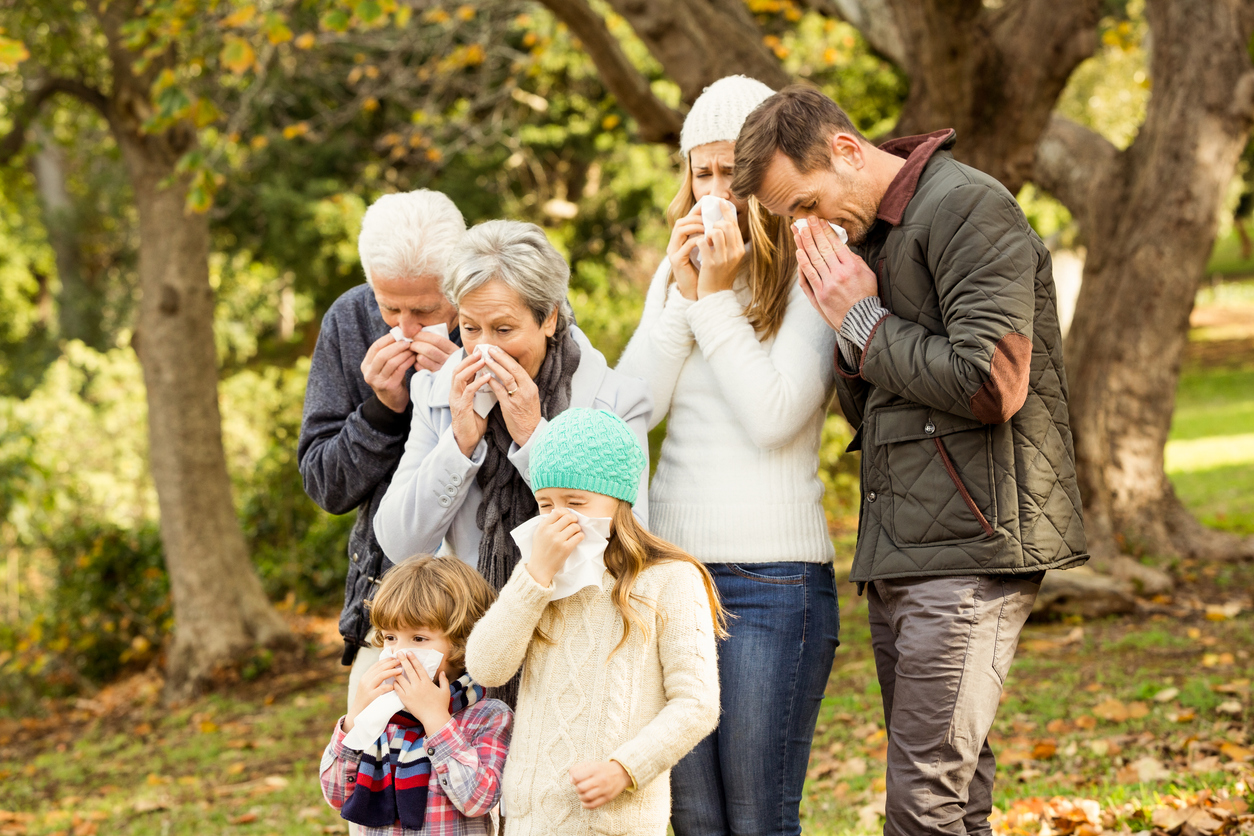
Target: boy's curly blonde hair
(435,592)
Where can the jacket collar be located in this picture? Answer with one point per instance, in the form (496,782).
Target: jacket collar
(917,151)
(583,386)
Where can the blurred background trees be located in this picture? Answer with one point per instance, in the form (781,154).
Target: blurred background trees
(224,153)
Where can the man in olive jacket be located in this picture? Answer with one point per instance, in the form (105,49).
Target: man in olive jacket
(950,365)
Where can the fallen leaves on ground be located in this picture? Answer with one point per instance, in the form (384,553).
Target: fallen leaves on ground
(1206,813)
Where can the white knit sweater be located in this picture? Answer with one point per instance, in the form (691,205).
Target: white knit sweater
(737,480)
(645,706)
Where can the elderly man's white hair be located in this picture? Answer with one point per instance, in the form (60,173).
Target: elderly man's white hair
(520,256)
(409,235)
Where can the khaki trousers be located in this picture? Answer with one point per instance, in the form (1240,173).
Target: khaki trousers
(943,647)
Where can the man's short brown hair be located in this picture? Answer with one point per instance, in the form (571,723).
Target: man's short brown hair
(440,593)
(798,120)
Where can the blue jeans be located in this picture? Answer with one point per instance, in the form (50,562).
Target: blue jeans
(746,777)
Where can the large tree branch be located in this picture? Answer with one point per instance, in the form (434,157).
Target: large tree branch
(873,18)
(12,143)
(657,121)
(697,42)
(1072,163)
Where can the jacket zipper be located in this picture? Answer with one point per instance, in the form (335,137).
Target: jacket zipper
(962,489)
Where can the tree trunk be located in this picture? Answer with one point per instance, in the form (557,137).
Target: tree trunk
(1149,216)
(79,302)
(221,612)
(992,74)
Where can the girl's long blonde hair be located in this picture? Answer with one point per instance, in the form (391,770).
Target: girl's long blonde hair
(631,550)
(774,258)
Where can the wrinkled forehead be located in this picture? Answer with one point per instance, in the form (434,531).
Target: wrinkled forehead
(783,187)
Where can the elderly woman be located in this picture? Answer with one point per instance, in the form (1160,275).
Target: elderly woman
(463,478)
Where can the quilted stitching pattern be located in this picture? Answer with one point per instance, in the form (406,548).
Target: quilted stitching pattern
(962,270)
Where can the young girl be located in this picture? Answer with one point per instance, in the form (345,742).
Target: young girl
(620,677)
(435,767)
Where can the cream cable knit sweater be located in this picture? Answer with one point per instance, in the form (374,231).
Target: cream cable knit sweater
(737,481)
(645,706)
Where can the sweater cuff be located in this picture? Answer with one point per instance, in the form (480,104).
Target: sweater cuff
(859,324)
(527,590)
(382,418)
(710,317)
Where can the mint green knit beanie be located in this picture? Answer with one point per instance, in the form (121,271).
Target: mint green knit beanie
(589,450)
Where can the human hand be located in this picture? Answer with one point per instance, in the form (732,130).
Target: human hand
(684,238)
(374,683)
(599,782)
(432,350)
(833,278)
(426,700)
(517,392)
(556,539)
(468,427)
(722,250)
(384,369)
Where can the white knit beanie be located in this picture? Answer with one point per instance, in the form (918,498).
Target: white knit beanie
(721,110)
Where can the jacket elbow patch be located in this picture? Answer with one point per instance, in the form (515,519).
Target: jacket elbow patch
(1006,389)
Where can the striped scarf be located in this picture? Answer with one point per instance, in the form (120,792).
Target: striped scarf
(394,772)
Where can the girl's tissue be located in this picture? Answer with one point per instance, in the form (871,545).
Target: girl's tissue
(586,564)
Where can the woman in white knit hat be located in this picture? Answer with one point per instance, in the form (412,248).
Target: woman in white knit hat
(740,365)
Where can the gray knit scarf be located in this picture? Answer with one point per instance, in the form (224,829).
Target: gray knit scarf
(507,499)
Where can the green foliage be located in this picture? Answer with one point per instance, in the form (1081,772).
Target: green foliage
(839,472)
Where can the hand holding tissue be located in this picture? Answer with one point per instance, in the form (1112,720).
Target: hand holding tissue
(373,720)
(586,564)
(485,398)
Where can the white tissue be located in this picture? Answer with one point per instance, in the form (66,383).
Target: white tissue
(586,564)
(485,398)
(713,209)
(440,328)
(373,720)
(802,223)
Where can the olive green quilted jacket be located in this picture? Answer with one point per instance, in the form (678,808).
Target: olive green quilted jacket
(960,402)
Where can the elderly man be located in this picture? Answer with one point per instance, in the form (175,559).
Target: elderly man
(950,365)
(357,409)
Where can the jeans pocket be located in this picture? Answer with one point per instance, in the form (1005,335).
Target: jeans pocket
(783,574)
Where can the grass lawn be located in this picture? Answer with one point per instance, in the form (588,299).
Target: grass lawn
(1123,723)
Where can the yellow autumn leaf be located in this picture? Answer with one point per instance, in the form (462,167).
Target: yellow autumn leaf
(306,41)
(12,53)
(298,129)
(277,31)
(466,12)
(434,155)
(237,55)
(370,105)
(610,122)
(258,142)
(240,17)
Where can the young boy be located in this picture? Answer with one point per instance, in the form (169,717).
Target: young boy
(436,766)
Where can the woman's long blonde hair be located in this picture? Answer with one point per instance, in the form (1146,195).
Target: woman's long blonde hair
(631,550)
(774,258)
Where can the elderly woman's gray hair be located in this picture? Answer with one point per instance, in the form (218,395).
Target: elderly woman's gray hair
(409,235)
(521,257)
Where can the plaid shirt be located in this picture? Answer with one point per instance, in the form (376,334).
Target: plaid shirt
(467,756)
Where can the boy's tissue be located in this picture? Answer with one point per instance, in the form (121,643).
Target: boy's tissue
(373,720)
(586,564)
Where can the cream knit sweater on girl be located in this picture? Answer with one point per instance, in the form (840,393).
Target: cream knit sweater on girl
(645,706)
(737,480)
